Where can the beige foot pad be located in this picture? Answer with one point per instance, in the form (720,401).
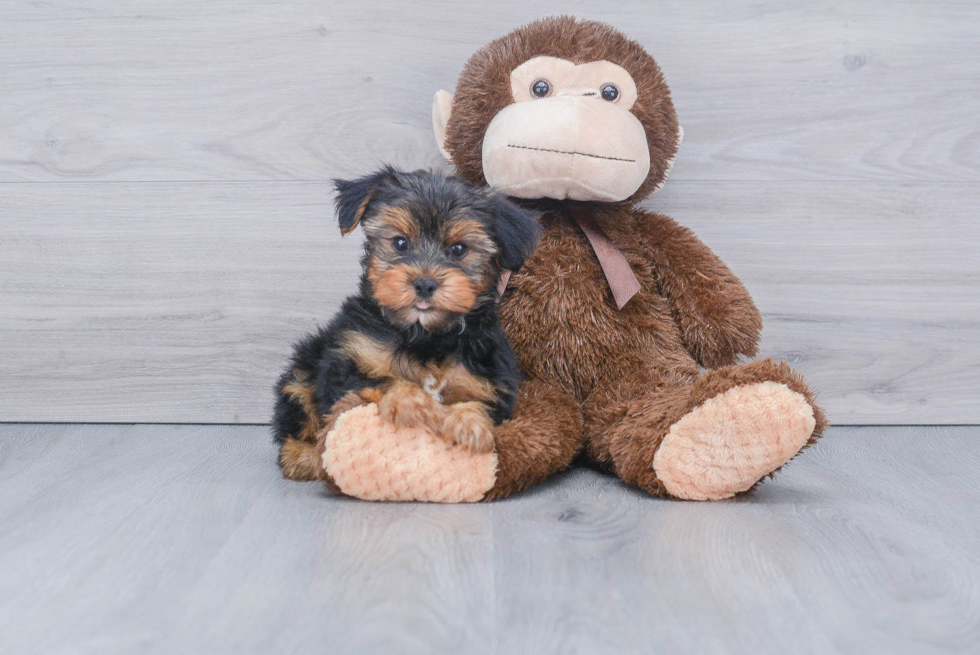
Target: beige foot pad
(730,442)
(374,460)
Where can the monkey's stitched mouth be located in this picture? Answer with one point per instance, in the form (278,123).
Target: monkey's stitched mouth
(572,152)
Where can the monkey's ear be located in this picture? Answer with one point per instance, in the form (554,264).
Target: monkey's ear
(442,108)
(354,197)
(516,232)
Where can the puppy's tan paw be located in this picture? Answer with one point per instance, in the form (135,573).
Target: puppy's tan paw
(468,425)
(407,405)
(299,460)
(370,395)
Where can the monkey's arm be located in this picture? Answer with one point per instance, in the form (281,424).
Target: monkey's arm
(714,311)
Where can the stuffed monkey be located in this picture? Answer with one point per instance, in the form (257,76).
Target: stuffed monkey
(627,327)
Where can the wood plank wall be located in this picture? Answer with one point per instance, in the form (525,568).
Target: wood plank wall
(165,208)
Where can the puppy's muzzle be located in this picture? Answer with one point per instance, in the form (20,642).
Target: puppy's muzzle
(425,287)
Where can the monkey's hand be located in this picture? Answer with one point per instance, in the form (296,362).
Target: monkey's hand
(713,309)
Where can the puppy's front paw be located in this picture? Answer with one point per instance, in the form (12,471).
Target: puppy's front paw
(299,460)
(409,406)
(468,425)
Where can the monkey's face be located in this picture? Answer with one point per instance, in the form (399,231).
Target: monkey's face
(561,109)
(568,134)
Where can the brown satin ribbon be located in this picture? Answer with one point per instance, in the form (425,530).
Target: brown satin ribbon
(619,275)
(622,281)
(502,283)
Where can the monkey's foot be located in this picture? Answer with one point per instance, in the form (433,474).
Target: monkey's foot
(732,440)
(371,459)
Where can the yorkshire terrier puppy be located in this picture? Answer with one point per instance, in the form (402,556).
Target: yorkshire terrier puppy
(421,337)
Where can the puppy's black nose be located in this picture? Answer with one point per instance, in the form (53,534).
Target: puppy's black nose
(425,287)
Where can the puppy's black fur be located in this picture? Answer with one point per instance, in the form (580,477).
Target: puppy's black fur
(496,235)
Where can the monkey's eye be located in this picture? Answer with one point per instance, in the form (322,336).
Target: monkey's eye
(609,92)
(400,244)
(541,88)
(458,250)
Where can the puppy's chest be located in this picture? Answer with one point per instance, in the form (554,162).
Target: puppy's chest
(445,379)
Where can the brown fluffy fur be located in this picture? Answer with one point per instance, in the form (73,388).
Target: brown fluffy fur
(609,382)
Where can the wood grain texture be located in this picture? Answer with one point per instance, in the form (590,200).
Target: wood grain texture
(178,303)
(167,539)
(165,220)
(871,290)
(303,89)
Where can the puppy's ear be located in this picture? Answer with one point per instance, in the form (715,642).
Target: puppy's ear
(355,196)
(516,232)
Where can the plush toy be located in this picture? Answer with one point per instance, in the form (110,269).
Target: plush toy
(628,328)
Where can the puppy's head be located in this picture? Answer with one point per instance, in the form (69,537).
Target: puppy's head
(435,245)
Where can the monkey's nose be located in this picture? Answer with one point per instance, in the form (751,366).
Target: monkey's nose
(425,287)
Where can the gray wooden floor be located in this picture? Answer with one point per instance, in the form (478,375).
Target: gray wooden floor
(183,539)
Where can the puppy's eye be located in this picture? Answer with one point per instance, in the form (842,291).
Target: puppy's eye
(609,92)
(458,250)
(400,244)
(540,88)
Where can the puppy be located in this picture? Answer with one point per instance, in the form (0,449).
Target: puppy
(421,337)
